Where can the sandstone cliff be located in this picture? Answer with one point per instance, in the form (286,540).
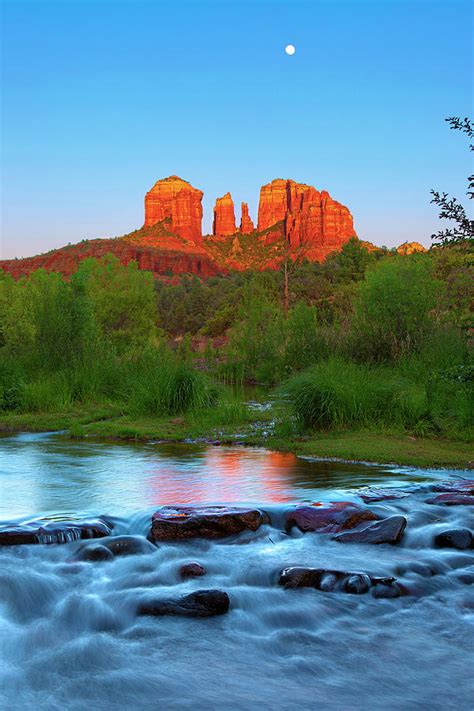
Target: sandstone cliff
(224,217)
(176,200)
(312,220)
(246,224)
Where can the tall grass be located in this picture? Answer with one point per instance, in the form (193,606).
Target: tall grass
(338,394)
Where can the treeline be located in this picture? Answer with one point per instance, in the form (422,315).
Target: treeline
(370,339)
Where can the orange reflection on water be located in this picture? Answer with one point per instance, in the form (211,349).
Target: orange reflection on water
(225,474)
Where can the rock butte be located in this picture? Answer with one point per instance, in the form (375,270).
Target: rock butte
(171,239)
(224,217)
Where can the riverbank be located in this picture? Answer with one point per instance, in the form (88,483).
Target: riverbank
(247,426)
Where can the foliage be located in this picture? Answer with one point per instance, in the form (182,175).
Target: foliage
(450,208)
(393,310)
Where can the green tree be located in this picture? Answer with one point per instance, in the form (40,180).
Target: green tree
(393,309)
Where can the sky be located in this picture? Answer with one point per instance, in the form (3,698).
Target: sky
(101,98)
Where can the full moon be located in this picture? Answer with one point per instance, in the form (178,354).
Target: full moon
(290,49)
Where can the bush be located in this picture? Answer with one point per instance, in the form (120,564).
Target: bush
(164,385)
(337,393)
(393,310)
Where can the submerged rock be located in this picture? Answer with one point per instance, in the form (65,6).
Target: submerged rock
(53,532)
(331,580)
(192,570)
(453,499)
(329,518)
(390,591)
(129,545)
(94,554)
(203,603)
(389,530)
(372,496)
(176,523)
(465,486)
(460,538)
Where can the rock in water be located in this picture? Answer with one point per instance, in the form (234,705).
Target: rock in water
(177,523)
(372,496)
(460,538)
(94,554)
(203,603)
(129,545)
(53,532)
(453,499)
(331,580)
(329,518)
(192,570)
(389,530)
(357,584)
(224,217)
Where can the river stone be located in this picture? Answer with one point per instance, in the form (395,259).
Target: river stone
(357,584)
(192,570)
(177,523)
(465,486)
(453,499)
(389,530)
(129,545)
(390,591)
(94,553)
(372,496)
(460,538)
(53,532)
(329,518)
(330,580)
(202,603)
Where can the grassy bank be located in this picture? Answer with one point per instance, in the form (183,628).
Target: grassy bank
(249,428)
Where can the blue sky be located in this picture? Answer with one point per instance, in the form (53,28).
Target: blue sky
(102,98)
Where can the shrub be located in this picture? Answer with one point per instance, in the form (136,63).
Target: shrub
(393,309)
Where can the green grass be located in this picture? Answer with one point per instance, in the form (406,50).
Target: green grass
(383,448)
(337,394)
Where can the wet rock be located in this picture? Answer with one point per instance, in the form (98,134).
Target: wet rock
(465,486)
(453,499)
(390,591)
(35,532)
(329,518)
(330,580)
(176,523)
(372,496)
(460,538)
(129,545)
(192,570)
(327,582)
(357,584)
(203,603)
(389,530)
(94,554)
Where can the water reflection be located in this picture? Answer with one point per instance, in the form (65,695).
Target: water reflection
(45,474)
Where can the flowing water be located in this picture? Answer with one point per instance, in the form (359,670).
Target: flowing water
(70,637)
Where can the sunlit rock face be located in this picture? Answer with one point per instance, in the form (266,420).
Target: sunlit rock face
(246,223)
(224,217)
(410,248)
(311,219)
(175,199)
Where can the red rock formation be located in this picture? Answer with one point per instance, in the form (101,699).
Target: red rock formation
(410,248)
(171,239)
(311,218)
(174,199)
(224,217)
(246,224)
(152,248)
